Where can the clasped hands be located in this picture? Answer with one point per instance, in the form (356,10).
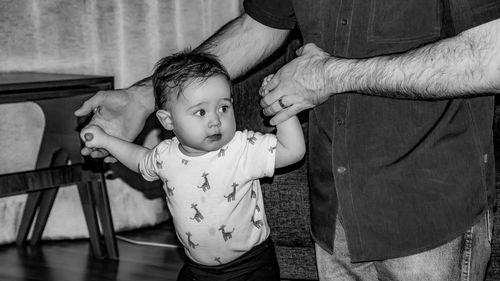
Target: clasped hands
(121,113)
(297,86)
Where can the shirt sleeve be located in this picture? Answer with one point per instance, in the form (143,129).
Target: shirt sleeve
(152,162)
(466,14)
(273,13)
(259,158)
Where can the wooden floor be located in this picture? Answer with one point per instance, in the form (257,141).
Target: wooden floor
(71,260)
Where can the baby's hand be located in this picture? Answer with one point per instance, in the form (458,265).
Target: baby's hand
(263,90)
(93,136)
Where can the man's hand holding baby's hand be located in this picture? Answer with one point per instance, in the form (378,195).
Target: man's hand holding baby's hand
(301,84)
(280,106)
(93,136)
(263,90)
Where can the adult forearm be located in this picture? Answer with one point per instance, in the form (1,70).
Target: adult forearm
(243,43)
(143,91)
(465,65)
(240,45)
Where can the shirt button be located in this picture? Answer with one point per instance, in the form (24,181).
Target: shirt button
(340,122)
(341,169)
(343,22)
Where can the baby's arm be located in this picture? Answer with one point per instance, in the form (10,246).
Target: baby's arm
(129,154)
(291,146)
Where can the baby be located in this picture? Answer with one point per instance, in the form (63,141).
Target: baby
(210,171)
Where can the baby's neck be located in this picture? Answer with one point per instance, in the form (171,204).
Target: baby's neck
(191,153)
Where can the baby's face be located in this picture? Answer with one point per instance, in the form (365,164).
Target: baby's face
(203,116)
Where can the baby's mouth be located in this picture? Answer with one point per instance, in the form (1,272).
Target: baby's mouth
(215,137)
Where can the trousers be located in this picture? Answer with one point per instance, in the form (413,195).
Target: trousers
(465,258)
(258,264)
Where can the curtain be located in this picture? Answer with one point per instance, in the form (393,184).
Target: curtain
(122,38)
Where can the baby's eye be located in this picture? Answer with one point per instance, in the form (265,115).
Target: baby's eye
(224,108)
(200,112)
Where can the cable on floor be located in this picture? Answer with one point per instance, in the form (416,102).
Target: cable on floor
(145,243)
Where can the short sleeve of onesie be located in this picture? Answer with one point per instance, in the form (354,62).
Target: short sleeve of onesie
(258,157)
(276,13)
(150,164)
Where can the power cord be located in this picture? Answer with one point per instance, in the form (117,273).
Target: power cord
(144,243)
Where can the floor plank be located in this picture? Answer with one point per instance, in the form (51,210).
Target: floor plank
(72,260)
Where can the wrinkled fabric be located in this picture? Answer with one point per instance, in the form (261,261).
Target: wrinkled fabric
(404,175)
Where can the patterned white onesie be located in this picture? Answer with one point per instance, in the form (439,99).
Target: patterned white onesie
(215,199)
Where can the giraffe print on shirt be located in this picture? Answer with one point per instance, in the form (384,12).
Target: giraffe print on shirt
(252,139)
(232,196)
(222,152)
(257,223)
(272,149)
(226,235)
(159,163)
(169,190)
(191,243)
(197,215)
(205,186)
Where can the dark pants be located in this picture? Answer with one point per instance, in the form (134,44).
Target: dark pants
(258,264)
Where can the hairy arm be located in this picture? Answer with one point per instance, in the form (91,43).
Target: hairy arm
(243,43)
(240,45)
(460,66)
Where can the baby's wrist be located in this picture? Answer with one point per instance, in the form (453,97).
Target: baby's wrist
(105,141)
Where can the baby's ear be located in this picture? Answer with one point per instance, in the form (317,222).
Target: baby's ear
(165,119)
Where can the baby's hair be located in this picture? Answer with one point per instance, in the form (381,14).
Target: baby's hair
(174,73)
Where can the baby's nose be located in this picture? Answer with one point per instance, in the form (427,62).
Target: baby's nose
(214,122)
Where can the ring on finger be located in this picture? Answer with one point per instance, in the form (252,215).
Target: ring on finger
(280,101)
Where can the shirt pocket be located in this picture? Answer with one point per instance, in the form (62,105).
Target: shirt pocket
(398,21)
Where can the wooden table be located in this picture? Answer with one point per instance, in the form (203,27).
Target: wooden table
(59,95)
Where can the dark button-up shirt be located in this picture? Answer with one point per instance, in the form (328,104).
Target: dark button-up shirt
(403,175)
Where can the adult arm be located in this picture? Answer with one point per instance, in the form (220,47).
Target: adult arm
(240,45)
(461,66)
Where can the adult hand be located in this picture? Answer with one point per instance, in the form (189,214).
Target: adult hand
(120,113)
(299,85)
